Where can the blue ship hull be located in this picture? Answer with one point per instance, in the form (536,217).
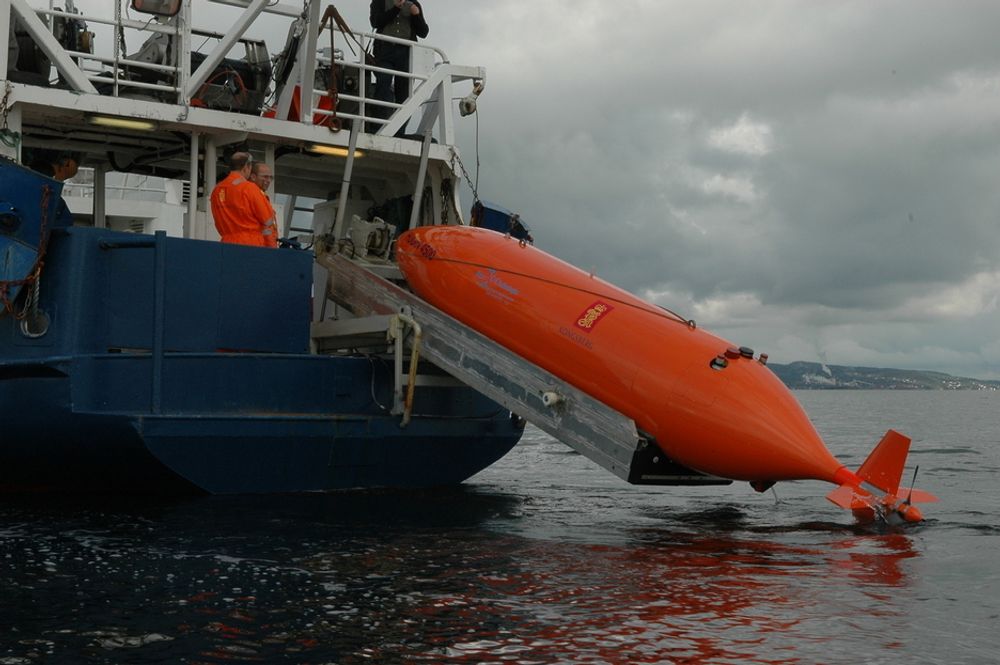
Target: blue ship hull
(65,430)
(173,365)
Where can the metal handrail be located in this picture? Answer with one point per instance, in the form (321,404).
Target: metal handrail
(118,61)
(174,79)
(124,23)
(360,62)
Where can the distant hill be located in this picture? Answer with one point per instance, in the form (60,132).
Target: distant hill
(816,376)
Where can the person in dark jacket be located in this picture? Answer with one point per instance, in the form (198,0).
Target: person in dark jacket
(403,19)
(58,165)
(61,166)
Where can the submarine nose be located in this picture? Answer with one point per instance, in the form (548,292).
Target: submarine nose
(741,422)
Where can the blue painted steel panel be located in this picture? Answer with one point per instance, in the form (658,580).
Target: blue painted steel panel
(16,259)
(218,296)
(176,365)
(52,443)
(46,447)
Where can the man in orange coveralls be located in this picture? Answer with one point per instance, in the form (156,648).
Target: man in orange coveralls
(260,175)
(241,211)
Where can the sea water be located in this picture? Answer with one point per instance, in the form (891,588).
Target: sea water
(543,558)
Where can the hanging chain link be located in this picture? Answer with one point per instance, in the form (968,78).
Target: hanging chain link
(7,137)
(31,299)
(447,201)
(465,174)
(5,103)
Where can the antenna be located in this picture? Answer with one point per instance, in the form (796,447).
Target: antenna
(912,484)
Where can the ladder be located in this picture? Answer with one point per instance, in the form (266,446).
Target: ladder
(571,416)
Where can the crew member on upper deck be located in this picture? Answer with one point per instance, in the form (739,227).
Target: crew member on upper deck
(242,214)
(403,19)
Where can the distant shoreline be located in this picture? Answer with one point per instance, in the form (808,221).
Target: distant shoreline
(817,376)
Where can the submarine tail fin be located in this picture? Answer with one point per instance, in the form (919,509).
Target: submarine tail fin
(884,466)
(850,498)
(883,470)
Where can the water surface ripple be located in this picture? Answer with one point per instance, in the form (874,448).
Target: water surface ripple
(541,559)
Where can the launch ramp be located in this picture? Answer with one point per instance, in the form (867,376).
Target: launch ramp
(590,427)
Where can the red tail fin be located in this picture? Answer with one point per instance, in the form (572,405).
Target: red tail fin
(850,498)
(884,467)
(883,470)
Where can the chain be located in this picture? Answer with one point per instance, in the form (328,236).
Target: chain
(447,201)
(465,173)
(427,206)
(5,103)
(31,299)
(119,48)
(7,137)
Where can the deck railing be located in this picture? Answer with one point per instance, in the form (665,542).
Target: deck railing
(162,68)
(122,186)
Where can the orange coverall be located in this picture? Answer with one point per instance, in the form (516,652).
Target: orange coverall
(271,232)
(242,213)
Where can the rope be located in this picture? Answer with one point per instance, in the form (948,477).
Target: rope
(455,159)
(239,98)
(476,188)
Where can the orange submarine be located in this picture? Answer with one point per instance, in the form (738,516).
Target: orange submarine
(706,403)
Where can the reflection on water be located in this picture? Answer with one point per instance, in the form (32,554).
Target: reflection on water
(435,576)
(671,597)
(541,559)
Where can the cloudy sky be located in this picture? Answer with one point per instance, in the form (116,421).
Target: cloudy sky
(816,180)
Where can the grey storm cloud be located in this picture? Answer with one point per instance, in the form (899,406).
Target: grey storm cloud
(828,165)
(816,178)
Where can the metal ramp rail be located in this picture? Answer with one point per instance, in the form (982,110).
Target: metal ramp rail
(590,427)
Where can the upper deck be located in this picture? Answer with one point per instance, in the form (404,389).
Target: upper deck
(161,94)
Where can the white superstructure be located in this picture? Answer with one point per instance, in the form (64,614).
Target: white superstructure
(154,102)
